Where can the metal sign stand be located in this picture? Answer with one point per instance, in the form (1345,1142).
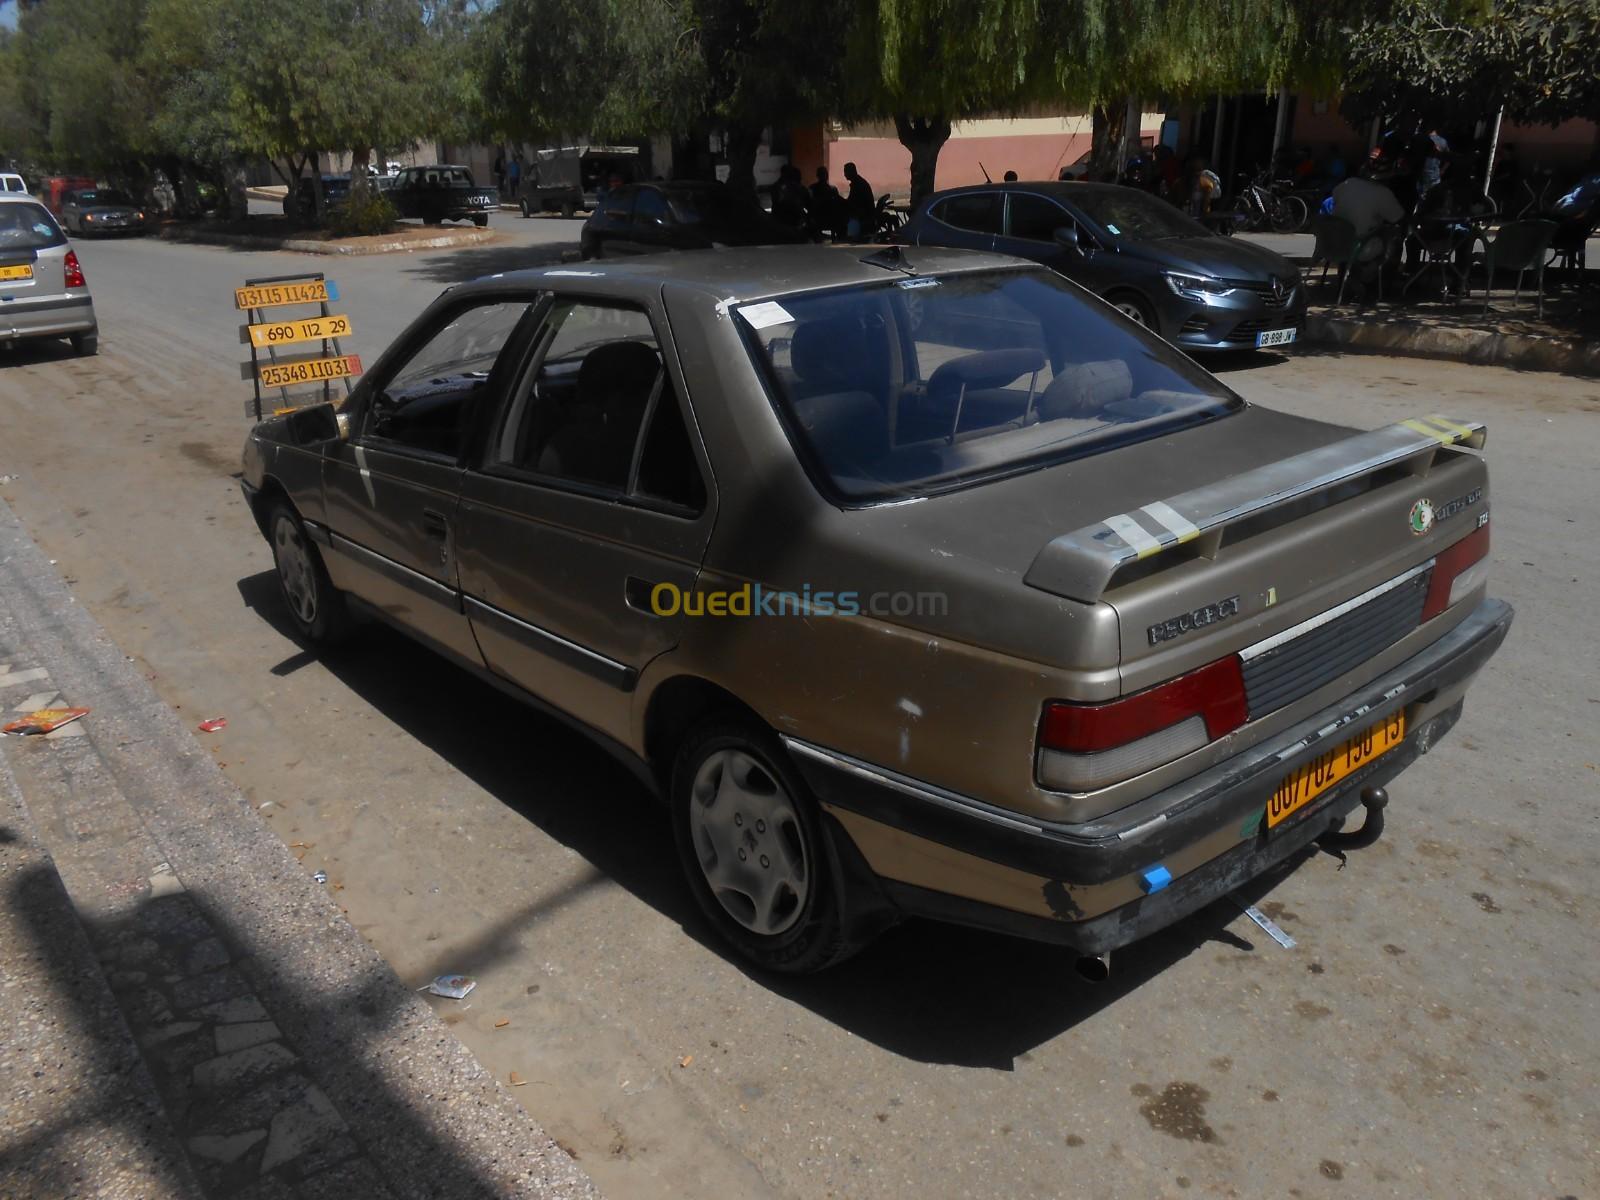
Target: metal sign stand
(258,316)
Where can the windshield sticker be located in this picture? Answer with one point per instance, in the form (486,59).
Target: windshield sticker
(1114,231)
(762,316)
(916,283)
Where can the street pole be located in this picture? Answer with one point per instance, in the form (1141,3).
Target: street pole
(1282,125)
(1494,149)
(1216,136)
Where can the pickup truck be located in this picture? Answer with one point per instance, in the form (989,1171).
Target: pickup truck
(442,193)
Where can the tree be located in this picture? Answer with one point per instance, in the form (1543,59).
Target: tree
(1534,57)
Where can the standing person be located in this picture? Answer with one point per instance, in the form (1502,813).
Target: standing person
(514,174)
(825,204)
(1010,177)
(789,197)
(499,172)
(860,205)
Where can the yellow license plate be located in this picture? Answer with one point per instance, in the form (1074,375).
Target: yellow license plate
(13,273)
(312,329)
(314,370)
(1311,779)
(268,295)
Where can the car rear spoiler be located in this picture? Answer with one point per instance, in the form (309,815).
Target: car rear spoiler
(1082,565)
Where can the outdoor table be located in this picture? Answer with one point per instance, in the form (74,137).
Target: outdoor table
(1443,237)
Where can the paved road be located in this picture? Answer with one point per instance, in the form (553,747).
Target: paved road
(1434,1032)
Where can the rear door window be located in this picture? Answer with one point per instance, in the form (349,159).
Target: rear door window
(976,212)
(600,411)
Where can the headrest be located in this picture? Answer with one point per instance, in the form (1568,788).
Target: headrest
(1083,389)
(989,369)
(618,376)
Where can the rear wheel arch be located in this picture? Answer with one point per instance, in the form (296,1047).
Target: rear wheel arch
(675,707)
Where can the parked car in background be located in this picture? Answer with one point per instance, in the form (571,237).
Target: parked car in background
(441,192)
(54,190)
(1194,287)
(678,501)
(43,292)
(102,210)
(645,217)
(13,183)
(300,202)
(566,178)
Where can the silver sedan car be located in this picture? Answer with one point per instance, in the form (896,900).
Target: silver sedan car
(102,211)
(43,292)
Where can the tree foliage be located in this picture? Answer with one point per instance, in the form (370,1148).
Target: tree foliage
(1536,57)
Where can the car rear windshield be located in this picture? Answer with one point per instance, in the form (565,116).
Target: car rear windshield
(918,385)
(717,207)
(28,227)
(1128,213)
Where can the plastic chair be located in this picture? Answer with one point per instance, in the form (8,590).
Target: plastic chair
(1336,243)
(1520,246)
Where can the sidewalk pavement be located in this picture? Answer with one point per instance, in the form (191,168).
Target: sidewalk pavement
(236,1019)
(1566,339)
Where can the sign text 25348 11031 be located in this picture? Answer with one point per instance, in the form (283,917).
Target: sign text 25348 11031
(309,370)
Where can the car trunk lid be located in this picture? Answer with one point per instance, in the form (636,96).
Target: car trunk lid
(1338,535)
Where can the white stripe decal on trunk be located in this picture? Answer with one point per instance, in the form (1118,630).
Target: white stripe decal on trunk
(1167,517)
(1135,534)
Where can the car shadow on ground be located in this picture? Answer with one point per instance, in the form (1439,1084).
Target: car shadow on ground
(1225,362)
(930,992)
(457,266)
(33,351)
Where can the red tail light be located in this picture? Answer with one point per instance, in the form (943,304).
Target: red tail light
(74,271)
(1087,746)
(1214,692)
(1448,568)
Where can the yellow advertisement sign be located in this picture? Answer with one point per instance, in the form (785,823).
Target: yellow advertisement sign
(310,370)
(312,329)
(269,295)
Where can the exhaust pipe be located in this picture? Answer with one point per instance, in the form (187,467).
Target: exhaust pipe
(1094,968)
(1374,800)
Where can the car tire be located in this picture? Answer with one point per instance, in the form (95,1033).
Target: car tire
(568,210)
(432,220)
(1135,307)
(316,608)
(85,345)
(526,211)
(744,821)
(481,221)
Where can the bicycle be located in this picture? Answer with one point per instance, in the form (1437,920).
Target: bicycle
(1261,204)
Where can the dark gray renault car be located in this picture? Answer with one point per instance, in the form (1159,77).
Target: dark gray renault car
(1196,288)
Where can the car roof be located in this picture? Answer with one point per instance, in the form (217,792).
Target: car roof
(1061,189)
(748,272)
(19,198)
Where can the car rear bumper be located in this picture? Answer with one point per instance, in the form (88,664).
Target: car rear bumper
(57,316)
(938,854)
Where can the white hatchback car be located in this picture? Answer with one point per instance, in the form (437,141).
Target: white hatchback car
(43,293)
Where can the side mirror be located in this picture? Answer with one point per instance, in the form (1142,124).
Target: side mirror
(1067,236)
(313,425)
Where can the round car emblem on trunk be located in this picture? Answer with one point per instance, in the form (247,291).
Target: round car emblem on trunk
(1422,516)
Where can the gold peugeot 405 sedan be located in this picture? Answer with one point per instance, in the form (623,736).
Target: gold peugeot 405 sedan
(916,581)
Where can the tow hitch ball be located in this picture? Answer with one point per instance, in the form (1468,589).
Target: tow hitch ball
(1373,799)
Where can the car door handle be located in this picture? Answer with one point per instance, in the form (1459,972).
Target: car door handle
(636,593)
(435,524)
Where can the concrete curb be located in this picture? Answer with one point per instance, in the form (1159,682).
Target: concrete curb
(1397,335)
(461,237)
(429,1115)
